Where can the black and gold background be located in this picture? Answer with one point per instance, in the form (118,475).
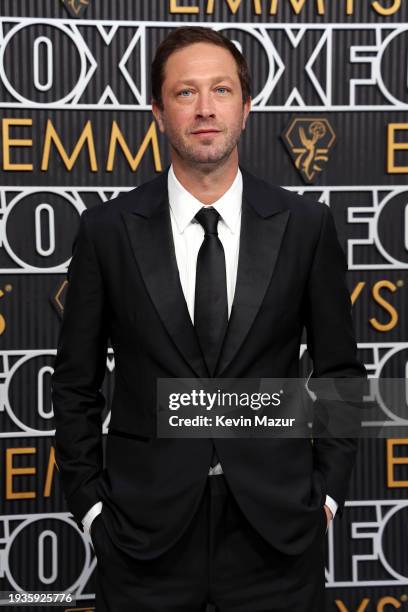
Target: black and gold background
(62,77)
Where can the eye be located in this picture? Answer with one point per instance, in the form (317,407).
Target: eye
(184,93)
(222,89)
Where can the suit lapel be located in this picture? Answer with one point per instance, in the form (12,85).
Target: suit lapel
(263,225)
(150,234)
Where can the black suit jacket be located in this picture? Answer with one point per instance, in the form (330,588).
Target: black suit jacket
(124,285)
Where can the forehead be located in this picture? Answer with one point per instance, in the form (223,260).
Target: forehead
(200,60)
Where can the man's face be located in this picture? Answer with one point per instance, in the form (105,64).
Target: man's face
(203,113)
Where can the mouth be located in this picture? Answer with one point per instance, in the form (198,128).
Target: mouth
(205,131)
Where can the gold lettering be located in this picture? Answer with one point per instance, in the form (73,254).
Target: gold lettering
(384,327)
(349,7)
(50,472)
(297,6)
(175,8)
(234,6)
(86,136)
(356,291)
(363,605)
(386,11)
(8,143)
(118,138)
(12,471)
(2,319)
(393,146)
(392,460)
(388,601)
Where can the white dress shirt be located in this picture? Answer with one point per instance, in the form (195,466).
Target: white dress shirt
(188,235)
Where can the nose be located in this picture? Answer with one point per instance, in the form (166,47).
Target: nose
(205,105)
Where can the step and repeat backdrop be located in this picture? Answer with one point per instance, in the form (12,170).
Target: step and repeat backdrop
(329,119)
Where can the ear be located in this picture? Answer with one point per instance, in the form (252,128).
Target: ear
(247,110)
(158,115)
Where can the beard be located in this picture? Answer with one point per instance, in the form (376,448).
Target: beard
(212,150)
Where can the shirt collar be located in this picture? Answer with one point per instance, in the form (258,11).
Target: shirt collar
(185,206)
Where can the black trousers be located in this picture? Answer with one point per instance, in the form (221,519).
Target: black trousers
(220,560)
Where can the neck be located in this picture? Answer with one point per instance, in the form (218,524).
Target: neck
(206,182)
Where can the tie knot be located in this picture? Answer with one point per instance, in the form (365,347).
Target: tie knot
(208,218)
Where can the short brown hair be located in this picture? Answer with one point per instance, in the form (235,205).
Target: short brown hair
(188,35)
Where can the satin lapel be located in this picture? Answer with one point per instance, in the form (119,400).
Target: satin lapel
(260,242)
(152,243)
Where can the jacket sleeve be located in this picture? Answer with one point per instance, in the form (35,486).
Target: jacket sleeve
(332,347)
(79,370)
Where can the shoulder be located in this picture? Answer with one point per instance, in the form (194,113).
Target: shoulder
(142,198)
(268,198)
(298,203)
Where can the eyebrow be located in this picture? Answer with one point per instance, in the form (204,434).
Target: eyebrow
(193,81)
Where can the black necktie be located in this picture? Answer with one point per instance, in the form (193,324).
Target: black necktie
(211,305)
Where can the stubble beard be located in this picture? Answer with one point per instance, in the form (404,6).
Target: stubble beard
(205,152)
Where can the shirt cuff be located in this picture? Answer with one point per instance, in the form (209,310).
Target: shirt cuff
(332,505)
(90,515)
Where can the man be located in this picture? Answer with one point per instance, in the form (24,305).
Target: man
(206,271)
